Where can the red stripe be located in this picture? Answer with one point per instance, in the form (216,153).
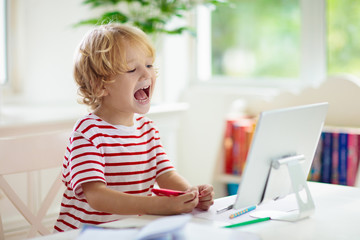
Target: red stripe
(163,169)
(162,161)
(77,138)
(139,118)
(134,163)
(58,229)
(145,123)
(129,173)
(80,220)
(89,178)
(131,153)
(97,126)
(67,224)
(139,191)
(86,154)
(122,136)
(85,211)
(130,183)
(74,198)
(87,162)
(84,120)
(125,144)
(83,163)
(87,170)
(81,146)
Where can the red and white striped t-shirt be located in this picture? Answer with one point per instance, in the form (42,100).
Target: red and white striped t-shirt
(127,159)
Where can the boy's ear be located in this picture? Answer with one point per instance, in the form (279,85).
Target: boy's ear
(104,91)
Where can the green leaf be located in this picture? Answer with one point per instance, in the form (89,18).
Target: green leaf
(100,3)
(106,18)
(180,30)
(143,14)
(93,21)
(115,17)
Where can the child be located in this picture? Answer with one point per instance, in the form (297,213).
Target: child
(114,156)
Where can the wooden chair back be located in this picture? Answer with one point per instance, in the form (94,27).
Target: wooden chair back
(23,154)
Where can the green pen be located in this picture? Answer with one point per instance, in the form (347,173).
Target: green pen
(248,222)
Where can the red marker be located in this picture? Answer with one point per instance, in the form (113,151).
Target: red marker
(166,192)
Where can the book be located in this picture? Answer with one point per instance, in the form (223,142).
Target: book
(315,172)
(228,146)
(352,158)
(237,138)
(343,158)
(237,142)
(326,157)
(357,181)
(335,158)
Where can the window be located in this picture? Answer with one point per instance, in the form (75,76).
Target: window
(279,42)
(3,52)
(256,39)
(343,37)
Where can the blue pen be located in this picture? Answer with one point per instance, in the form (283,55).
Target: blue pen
(246,210)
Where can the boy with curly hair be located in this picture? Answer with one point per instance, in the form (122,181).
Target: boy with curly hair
(114,156)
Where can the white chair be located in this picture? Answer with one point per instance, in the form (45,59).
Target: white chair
(24,154)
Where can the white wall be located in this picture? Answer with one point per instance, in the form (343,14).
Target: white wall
(42,42)
(203,125)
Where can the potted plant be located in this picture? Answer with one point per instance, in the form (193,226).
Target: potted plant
(151,16)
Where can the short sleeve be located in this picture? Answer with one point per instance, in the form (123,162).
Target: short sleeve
(163,163)
(85,163)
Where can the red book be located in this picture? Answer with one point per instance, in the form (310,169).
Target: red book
(246,134)
(236,148)
(353,158)
(228,146)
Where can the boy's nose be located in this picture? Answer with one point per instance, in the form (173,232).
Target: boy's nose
(146,73)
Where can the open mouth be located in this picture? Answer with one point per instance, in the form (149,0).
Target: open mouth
(142,94)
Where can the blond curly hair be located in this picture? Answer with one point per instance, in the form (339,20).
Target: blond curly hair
(101,56)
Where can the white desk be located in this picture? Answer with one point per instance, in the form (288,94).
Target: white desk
(336,216)
(337,213)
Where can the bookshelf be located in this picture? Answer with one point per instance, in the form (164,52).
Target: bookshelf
(343,94)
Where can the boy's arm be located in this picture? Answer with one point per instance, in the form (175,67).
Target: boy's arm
(107,200)
(172,180)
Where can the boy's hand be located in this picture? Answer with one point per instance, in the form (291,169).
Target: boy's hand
(184,203)
(206,195)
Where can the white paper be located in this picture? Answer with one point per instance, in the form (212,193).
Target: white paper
(165,226)
(173,227)
(285,204)
(108,234)
(222,219)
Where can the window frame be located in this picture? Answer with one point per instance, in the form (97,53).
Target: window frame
(3,43)
(313,57)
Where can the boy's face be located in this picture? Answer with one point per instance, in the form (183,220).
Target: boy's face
(131,92)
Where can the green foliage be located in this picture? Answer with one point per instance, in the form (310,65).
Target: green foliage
(263,32)
(151,16)
(268,34)
(343,36)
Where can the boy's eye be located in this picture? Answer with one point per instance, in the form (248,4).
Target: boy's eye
(149,66)
(130,71)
